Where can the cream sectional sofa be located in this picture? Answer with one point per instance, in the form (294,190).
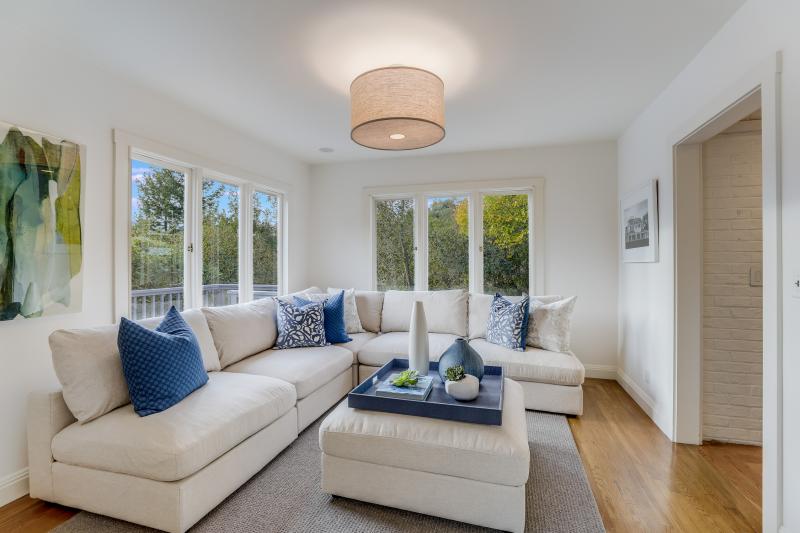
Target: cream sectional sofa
(88,449)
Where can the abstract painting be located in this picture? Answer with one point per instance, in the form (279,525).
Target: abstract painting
(639,211)
(41,249)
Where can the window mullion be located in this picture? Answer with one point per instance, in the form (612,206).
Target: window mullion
(193,277)
(246,243)
(421,255)
(476,235)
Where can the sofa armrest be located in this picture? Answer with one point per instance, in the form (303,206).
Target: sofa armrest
(47,415)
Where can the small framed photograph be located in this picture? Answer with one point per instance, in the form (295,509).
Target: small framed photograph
(639,212)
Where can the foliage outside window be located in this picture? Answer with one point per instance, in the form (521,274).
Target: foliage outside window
(220,243)
(394,237)
(157,233)
(167,262)
(501,261)
(448,243)
(265,244)
(505,244)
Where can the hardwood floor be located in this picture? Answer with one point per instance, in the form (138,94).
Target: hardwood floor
(642,481)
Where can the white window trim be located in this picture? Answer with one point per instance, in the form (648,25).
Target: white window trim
(127,147)
(474,190)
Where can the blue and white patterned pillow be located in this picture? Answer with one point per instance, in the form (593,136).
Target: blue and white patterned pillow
(300,327)
(508,323)
(161,366)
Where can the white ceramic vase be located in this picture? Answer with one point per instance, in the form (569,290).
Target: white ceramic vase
(418,348)
(464,389)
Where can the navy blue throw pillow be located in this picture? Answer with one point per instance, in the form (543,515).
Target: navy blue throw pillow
(508,323)
(162,366)
(333,311)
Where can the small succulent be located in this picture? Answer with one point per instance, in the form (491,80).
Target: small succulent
(407,378)
(454,373)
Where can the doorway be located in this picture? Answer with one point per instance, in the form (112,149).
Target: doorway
(756,92)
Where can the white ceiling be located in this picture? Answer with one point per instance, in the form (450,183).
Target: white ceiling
(516,72)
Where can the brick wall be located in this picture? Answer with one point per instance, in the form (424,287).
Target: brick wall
(732,330)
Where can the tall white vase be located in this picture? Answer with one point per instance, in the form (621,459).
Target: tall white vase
(418,348)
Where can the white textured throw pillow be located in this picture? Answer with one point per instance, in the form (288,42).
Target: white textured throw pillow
(549,324)
(352,323)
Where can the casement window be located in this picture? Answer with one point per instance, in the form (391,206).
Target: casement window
(480,236)
(192,236)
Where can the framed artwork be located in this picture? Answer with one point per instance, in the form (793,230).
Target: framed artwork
(639,212)
(41,240)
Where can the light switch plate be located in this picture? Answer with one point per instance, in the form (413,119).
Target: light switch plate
(756,276)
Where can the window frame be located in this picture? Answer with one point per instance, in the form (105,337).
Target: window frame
(475,192)
(128,147)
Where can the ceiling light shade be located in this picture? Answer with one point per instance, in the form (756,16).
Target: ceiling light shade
(397,108)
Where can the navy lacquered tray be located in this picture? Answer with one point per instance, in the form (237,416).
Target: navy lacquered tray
(487,408)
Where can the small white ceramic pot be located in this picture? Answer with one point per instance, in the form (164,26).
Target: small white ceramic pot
(464,389)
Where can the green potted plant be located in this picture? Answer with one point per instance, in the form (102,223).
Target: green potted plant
(461,386)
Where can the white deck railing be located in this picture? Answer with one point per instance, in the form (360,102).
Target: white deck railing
(146,303)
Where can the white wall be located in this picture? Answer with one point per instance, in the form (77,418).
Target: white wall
(580,200)
(752,36)
(47,91)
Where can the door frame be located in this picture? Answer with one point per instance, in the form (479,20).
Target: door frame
(760,88)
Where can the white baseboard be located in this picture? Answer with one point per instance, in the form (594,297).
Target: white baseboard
(634,391)
(13,486)
(601,371)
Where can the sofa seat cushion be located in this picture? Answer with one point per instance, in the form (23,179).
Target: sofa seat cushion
(307,369)
(534,364)
(387,346)
(492,454)
(179,441)
(355,345)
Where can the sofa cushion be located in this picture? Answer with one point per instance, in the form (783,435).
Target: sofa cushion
(161,367)
(370,306)
(176,443)
(480,305)
(445,311)
(385,347)
(492,454)
(508,323)
(300,326)
(550,324)
(355,345)
(88,366)
(533,364)
(352,322)
(241,330)
(307,369)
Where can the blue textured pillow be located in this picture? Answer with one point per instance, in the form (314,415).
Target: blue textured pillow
(508,323)
(300,327)
(162,366)
(333,312)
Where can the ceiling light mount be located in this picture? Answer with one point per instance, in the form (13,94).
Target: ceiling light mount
(397,108)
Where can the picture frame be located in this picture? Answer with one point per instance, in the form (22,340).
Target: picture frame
(639,224)
(41,202)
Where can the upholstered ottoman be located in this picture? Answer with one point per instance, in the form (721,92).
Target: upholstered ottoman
(467,472)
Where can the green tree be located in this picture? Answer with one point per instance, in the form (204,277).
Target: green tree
(265,239)
(448,244)
(505,244)
(394,224)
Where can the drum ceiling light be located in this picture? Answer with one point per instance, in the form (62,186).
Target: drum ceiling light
(397,108)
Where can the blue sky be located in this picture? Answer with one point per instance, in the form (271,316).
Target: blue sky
(139,168)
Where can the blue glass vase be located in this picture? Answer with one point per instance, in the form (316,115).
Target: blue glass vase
(460,353)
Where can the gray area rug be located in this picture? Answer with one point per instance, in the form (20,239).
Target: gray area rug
(285,496)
